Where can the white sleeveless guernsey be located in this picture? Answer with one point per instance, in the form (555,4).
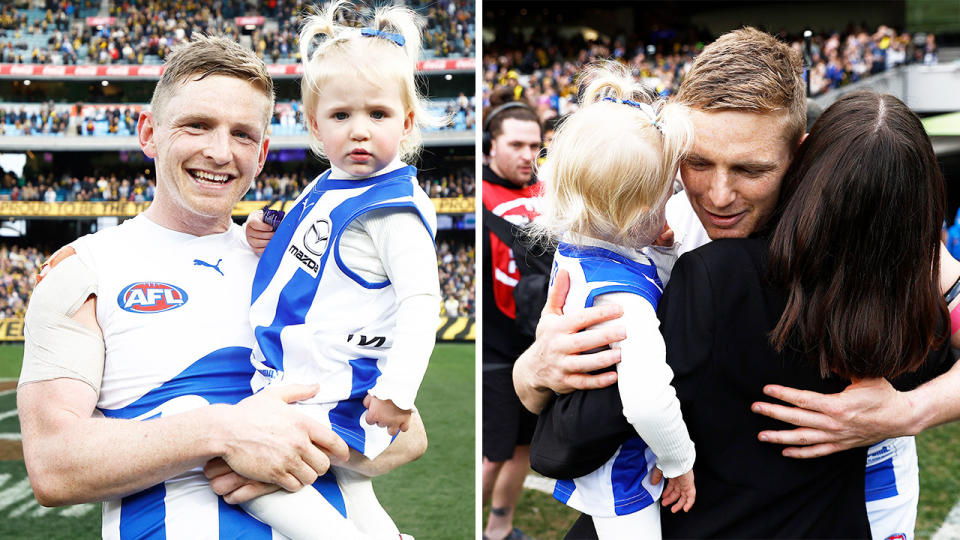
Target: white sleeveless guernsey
(172,308)
(622,485)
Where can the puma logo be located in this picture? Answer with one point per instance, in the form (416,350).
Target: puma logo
(198,262)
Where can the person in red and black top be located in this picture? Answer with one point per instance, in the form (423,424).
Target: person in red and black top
(513,132)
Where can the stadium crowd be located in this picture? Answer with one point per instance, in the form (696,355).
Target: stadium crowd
(141,188)
(455,260)
(19,265)
(144,33)
(543,70)
(48,118)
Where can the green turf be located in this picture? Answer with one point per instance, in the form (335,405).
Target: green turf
(939,476)
(9,422)
(11,354)
(22,517)
(432,498)
(541,516)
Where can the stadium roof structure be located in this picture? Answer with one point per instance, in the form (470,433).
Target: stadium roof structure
(944,125)
(944,132)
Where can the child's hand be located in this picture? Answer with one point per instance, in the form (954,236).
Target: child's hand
(386,414)
(680,490)
(258,233)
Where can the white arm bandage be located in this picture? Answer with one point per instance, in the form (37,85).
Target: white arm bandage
(56,345)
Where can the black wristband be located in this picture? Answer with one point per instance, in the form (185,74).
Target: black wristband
(953,292)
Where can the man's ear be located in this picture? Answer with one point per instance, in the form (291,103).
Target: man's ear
(264,150)
(146,129)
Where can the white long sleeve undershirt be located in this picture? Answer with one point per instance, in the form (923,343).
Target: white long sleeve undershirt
(394,244)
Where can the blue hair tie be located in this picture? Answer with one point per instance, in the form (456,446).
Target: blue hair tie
(645,107)
(373,32)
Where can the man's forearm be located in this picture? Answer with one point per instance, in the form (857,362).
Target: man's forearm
(935,402)
(73,459)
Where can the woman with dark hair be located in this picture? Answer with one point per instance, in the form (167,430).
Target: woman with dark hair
(842,284)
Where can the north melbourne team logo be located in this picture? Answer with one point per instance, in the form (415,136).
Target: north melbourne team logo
(151,297)
(317,237)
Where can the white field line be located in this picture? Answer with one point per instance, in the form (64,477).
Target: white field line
(950,529)
(8,414)
(8,392)
(539,483)
(18,496)
(17,492)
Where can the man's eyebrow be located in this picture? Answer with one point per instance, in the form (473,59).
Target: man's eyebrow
(757,166)
(207,119)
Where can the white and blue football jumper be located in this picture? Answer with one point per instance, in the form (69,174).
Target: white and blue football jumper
(892,488)
(173,310)
(316,320)
(622,485)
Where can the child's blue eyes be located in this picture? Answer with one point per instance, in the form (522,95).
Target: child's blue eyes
(376,115)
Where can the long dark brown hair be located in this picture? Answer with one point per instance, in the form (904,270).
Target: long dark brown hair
(856,241)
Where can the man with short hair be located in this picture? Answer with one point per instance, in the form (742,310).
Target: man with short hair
(137,365)
(508,191)
(747,103)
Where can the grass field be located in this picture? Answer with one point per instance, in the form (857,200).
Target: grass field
(541,516)
(432,498)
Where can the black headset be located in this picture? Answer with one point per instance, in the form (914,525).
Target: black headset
(485,143)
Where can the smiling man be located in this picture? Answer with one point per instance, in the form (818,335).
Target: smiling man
(136,366)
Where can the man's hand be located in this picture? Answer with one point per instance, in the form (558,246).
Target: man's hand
(271,442)
(554,363)
(257,231)
(385,414)
(866,412)
(234,489)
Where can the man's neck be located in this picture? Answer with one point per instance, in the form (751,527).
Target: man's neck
(499,179)
(184,223)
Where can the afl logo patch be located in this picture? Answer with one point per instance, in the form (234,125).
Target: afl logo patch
(317,236)
(151,297)
(898,536)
